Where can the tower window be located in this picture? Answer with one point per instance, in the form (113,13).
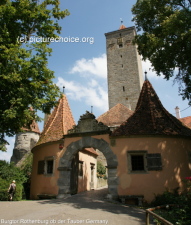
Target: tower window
(121,56)
(123,88)
(120,42)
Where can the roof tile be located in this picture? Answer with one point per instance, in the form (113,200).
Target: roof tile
(186,121)
(115,116)
(59,122)
(151,118)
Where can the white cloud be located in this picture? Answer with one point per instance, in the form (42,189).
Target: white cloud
(91,93)
(95,66)
(7,155)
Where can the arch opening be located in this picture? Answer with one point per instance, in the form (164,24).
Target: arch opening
(65,165)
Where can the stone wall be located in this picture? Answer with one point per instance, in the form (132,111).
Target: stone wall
(24,142)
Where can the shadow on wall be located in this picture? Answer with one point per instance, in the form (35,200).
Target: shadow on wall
(175,165)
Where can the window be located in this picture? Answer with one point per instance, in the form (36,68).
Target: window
(46,166)
(142,162)
(154,161)
(49,166)
(120,42)
(137,162)
(80,173)
(40,167)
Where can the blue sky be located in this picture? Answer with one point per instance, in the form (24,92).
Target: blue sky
(81,67)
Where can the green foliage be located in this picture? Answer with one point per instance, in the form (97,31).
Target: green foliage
(25,80)
(4,185)
(101,170)
(166,39)
(26,168)
(180,214)
(9,172)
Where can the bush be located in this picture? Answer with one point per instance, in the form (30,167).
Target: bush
(4,185)
(180,214)
(9,172)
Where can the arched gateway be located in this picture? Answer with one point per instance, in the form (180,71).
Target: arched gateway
(87,142)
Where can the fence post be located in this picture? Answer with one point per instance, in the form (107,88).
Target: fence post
(147,218)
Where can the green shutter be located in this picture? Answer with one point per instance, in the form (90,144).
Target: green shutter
(41,167)
(154,161)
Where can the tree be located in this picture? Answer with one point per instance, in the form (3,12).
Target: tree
(25,80)
(166,39)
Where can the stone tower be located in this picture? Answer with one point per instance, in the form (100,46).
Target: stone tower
(124,67)
(24,142)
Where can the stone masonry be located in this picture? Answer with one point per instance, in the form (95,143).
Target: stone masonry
(24,142)
(125,77)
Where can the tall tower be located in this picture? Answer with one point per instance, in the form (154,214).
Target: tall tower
(124,67)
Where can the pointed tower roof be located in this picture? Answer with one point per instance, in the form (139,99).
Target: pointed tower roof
(151,118)
(59,122)
(33,127)
(122,25)
(115,116)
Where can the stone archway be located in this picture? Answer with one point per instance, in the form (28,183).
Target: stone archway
(72,149)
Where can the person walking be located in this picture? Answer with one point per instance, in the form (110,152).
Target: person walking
(12,190)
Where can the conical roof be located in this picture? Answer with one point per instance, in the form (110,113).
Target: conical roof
(151,118)
(115,116)
(122,27)
(59,122)
(33,127)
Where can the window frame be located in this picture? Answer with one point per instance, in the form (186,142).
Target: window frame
(80,168)
(43,170)
(137,153)
(50,158)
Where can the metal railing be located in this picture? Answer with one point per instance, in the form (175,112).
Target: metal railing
(150,212)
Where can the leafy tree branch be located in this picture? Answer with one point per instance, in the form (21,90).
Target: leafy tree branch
(25,79)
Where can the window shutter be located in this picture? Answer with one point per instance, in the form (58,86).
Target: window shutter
(154,161)
(41,167)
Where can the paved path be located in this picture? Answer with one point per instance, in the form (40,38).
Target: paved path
(84,208)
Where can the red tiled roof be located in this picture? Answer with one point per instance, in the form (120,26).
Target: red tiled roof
(115,116)
(122,27)
(33,127)
(90,150)
(59,122)
(151,118)
(186,121)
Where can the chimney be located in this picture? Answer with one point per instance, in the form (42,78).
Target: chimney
(177,110)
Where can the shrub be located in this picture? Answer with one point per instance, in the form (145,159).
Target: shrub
(9,172)
(4,185)
(101,170)
(180,215)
